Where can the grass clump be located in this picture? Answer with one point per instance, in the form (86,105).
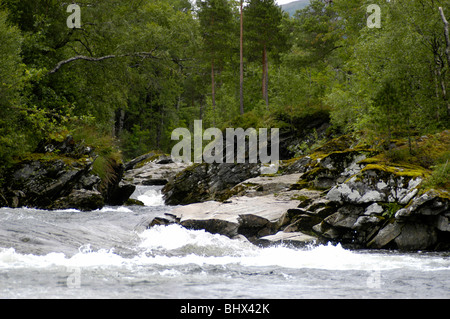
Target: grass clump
(106,153)
(440,177)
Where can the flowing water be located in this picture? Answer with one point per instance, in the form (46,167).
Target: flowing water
(110,254)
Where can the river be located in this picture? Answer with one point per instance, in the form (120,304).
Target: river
(109,254)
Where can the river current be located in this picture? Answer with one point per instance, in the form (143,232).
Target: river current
(110,254)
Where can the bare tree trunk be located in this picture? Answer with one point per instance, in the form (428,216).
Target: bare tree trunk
(120,118)
(213,86)
(265,77)
(446,32)
(447,48)
(241,76)
(436,87)
(266,89)
(440,76)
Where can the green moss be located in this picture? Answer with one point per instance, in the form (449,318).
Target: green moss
(301,184)
(150,159)
(340,143)
(51,157)
(442,193)
(301,198)
(285,163)
(312,174)
(405,171)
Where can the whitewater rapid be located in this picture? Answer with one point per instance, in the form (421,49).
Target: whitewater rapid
(108,254)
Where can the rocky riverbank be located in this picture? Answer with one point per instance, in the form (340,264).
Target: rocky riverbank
(341,192)
(60,175)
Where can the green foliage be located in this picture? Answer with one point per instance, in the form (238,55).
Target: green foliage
(107,154)
(440,177)
(398,79)
(391,209)
(12,135)
(147,69)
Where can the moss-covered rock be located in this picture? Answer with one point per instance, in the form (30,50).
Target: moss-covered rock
(202,182)
(60,175)
(347,193)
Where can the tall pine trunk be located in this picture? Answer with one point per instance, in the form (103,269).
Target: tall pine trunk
(447,48)
(265,78)
(213,85)
(241,75)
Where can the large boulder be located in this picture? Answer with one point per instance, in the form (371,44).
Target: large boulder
(204,182)
(59,176)
(377,184)
(252,217)
(152,169)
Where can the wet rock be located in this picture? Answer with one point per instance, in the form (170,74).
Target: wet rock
(385,236)
(416,237)
(297,239)
(364,223)
(41,182)
(253,217)
(152,169)
(120,194)
(203,182)
(85,200)
(343,195)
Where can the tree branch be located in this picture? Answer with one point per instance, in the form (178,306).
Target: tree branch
(80,57)
(447,39)
(94,59)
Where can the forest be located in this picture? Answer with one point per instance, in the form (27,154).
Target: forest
(133,71)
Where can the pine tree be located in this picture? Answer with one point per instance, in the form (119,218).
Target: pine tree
(216,23)
(263,20)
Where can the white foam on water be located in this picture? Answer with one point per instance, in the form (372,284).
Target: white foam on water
(120,209)
(149,195)
(9,258)
(200,247)
(152,198)
(174,245)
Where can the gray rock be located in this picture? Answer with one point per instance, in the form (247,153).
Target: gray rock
(263,185)
(252,217)
(85,200)
(443,223)
(341,220)
(158,171)
(374,209)
(385,236)
(370,186)
(364,223)
(62,171)
(203,182)
(416,237)
(297,239)
(429,204)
